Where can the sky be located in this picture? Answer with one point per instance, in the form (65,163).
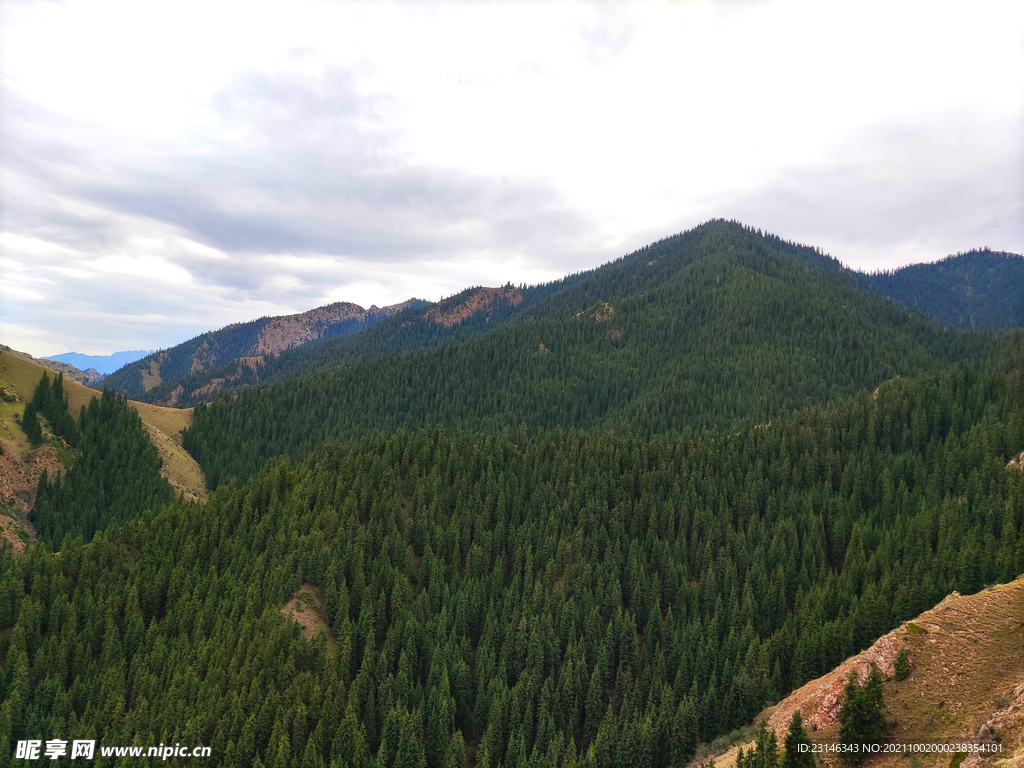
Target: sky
(170,168)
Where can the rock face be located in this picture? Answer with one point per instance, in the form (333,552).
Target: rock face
(289,331)
(479,300)
(820,702)
(240,341)
(1017,463)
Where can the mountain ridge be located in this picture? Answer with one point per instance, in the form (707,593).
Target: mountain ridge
(254,338)
(642,270)
(698,331)
(102,364)
(976,289)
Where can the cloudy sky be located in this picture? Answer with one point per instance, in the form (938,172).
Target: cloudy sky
(169,168)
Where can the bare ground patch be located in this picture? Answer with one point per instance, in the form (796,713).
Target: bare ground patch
(306,609)
(966,684)
(178,468)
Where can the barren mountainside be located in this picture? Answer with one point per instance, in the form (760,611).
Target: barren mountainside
(266,336)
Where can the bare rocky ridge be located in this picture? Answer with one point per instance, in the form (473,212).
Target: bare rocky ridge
(289,331)
(966,684)
(455,310)
(244,341)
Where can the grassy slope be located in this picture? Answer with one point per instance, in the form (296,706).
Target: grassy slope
(966,679)
(163,424)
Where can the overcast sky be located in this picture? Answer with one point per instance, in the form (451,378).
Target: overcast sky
(169,168)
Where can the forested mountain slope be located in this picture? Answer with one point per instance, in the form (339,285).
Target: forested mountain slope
(698,330)
(266,336)
(418,326)
(559,596)
(21,374)
(478,310)
(978,289)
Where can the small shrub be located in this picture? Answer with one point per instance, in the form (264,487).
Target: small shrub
(916,629)
(901,666)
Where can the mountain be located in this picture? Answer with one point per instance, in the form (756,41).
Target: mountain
(247,342)
(479,310)
(958,291)
(593,523)
(420,325)
(978,289)
(104,364)
(699,330)
(547,596)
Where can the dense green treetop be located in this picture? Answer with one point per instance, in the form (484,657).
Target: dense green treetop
(116,470)
(697,331)
(978,289)
(565,596)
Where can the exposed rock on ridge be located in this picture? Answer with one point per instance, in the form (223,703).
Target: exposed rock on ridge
(461,307)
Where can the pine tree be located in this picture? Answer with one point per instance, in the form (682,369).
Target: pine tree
(901,666)
(796,737)
(765,752)
(30,423)
(862,719)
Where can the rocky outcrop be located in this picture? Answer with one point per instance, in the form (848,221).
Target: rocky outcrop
(462,307)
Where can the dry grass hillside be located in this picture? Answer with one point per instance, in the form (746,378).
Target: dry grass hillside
(21,465)
(70,372)
(966,685)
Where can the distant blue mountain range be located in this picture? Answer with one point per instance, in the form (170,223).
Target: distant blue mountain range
(103,363)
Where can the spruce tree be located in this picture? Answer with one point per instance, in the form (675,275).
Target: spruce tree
(796,737)
(30,423)
(901,667)
(862,719)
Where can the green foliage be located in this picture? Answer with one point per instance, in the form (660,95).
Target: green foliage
(558,596)
(862,718)
(901,666)
(115,476)
(978,289)
(30,424)
(49,400)
(713,326)
(797,739)
(916,629)
(764,753)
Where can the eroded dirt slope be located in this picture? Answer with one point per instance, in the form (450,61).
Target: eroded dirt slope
(966,684)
